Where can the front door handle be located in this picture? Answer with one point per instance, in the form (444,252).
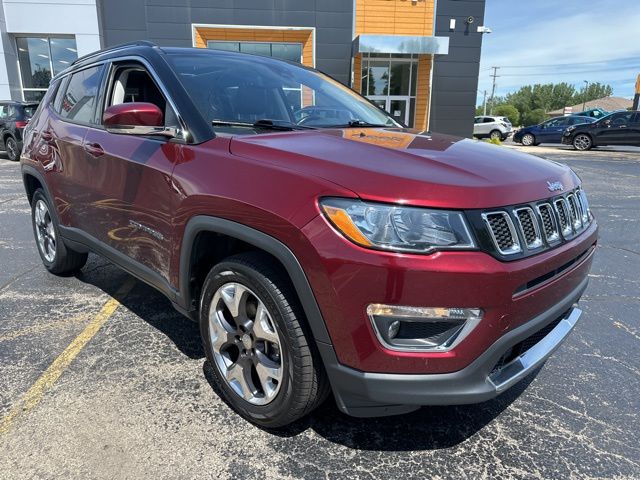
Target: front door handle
(94,149)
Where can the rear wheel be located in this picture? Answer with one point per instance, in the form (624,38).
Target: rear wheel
(13,152)
(582,142)
(254,335)
(528,140)
(495,135)
(56,256)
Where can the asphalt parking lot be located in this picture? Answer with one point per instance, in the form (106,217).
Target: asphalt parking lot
(93,389)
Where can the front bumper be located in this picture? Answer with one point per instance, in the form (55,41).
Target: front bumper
(365,394)
(567,139)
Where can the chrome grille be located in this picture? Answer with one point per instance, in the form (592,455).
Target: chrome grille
(563,216)
(574,212)
(503,232)
(549,224)
(530,227)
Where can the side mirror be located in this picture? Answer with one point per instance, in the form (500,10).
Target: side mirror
(136,118)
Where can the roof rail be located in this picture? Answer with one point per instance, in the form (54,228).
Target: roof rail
(137,43)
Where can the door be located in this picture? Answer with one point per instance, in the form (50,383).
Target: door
(131,175)
(616,129)
(397,107)
(4,114)
(61,143)
(552,131)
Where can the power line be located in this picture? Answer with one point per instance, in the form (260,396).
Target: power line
(571,64)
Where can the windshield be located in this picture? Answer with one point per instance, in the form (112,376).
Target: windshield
(246,89)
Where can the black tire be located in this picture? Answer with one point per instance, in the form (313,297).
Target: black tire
(582,142)
(13,151)
(304,385)
(528,140)
(65,260)
(495,135)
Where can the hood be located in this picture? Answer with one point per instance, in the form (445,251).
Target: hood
(404,166)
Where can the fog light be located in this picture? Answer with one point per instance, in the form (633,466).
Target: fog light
(422,328)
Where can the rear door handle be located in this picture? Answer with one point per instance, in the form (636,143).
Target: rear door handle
(94,149)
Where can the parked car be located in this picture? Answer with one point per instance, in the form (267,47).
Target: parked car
(619,128)
(390,267)
(593,113)
(14,117)
(496,128)
(548,132)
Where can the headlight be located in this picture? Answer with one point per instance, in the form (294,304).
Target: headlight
(397,228)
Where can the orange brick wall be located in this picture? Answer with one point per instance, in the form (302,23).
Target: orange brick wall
(395,17)
(305,37)
(423,92)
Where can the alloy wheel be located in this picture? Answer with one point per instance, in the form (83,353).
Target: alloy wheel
(45,231)
(527,140)
(496,135)
(582,142)
(12,149)
(245,343)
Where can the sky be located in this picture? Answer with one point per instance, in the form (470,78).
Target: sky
(546,41)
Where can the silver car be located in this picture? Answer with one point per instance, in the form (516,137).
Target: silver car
(495,128)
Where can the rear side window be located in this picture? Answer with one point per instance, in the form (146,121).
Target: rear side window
(29,110)
(80,96)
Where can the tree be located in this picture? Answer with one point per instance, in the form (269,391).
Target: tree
(509,111)
(594,91)
(533,117)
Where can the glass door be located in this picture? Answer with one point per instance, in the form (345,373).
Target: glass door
(389,81)
(397,107)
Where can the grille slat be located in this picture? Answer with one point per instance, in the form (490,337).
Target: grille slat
(549,224)
(529,227)
(503,232)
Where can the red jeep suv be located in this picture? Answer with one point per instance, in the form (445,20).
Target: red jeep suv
(322,246)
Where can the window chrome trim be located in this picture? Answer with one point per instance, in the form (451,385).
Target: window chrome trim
(537,243)
(576,216)
(515,248)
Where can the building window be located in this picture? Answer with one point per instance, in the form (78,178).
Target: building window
(41,58)
(283,51)
(389,80)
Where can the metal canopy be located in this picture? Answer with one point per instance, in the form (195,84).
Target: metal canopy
(401,44)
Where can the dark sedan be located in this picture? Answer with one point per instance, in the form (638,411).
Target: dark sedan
(619,128)
(549,131)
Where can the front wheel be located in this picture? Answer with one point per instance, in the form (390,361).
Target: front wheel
(13,152)
(255,337)
(528,140)
(56,256)
(582,142)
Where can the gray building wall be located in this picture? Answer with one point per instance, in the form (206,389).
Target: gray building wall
(455,76)
(168,23)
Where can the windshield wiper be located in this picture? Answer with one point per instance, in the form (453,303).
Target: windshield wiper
(360,123)
(263,123)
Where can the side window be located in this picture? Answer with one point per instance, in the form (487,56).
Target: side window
(488,120)
(4,112)
(477,120)
(134,84)
(59,98)
(11,111)
(622,118)
(80,95)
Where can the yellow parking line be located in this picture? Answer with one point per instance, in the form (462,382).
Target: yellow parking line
(55,370)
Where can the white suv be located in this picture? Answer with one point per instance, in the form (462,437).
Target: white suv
(492,127)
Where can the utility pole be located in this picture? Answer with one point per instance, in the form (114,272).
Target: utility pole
(586,89)
(493,89)
(484,103)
